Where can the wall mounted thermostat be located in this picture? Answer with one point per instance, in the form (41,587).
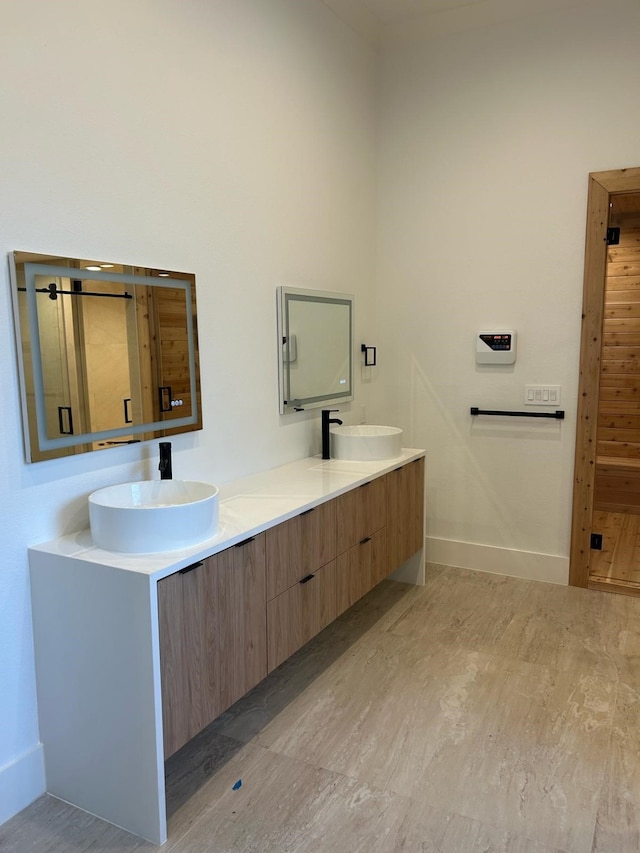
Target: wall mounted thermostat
(496,347)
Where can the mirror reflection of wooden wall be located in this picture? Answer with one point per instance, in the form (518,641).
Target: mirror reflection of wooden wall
(617,485)
(163,352)
(170,353)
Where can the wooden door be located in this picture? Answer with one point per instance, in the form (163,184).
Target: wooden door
(602,186)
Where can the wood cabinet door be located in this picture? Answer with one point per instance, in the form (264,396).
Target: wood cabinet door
(360,512)
(212,623)
(180,616)
(405,512)
(235,641)
(299,613)
(300,546)
(360,568)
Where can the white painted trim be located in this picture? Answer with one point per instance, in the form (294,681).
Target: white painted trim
(21,782)
(501,561)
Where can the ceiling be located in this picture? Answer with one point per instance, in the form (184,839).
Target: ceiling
(391,20)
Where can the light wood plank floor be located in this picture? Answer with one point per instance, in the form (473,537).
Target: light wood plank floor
(619,559)
(478,713)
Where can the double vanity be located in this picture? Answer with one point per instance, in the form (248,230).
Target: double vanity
(138,652)
(143,637)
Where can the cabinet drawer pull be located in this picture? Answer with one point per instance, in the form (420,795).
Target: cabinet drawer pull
(307,579)
(244,542)
(365,540)
(307,511)
(191,568)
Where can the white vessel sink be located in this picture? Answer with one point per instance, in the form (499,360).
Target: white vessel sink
(153,515)
(365,442)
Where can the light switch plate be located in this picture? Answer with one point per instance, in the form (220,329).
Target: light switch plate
(542,395)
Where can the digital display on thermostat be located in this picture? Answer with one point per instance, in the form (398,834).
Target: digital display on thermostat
(496,347)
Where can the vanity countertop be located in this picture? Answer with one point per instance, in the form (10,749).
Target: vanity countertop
(247,507)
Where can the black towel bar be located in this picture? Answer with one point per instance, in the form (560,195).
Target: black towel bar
(558,415)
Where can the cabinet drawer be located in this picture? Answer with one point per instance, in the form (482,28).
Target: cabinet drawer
(299,613)
(360,513)
(360,568)
(300,546)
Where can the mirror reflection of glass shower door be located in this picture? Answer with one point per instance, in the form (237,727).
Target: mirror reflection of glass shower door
(62,404)
(104,325)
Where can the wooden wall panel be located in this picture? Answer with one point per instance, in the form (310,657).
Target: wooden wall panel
(618,487)
(617,479)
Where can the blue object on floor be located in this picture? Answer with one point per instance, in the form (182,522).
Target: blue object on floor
(237,785)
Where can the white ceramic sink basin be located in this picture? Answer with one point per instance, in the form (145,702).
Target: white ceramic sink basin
(153,515)
(365,442)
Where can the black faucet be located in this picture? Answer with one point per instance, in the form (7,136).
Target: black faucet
(165,461)
(326,440)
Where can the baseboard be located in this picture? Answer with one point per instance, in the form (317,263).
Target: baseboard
(500,561)
(21,782)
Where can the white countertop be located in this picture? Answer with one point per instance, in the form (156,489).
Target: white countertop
(247,507)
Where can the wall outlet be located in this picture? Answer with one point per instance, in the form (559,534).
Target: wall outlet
(542,395)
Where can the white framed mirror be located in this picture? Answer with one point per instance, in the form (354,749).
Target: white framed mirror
(107,353)
(315,343)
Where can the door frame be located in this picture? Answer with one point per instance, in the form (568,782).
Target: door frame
(602,185)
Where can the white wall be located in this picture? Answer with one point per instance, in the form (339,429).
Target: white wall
(229,139)
(486,141)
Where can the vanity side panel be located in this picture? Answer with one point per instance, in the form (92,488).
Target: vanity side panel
(405,512)
(416,510)
(406,522)
(97,671)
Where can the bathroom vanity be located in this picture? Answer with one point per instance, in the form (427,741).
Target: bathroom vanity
(137,653)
